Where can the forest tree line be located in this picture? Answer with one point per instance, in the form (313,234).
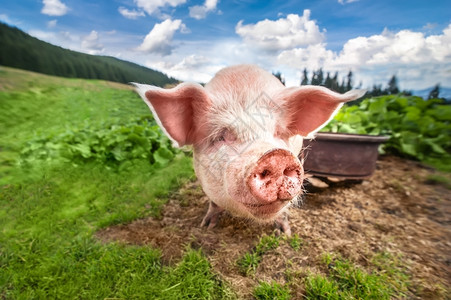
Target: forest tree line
(347,83)
(20,50)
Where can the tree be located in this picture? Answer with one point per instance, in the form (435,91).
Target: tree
(304,78)
(342,87)
(377,90)
(393,86)
(328,81)
(335,84)
(349,83)
(320,75)
(314,80)
(435,92)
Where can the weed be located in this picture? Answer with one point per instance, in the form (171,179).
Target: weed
(348,281)
(273,290)
(248,263)
(392,267)
(327,258)
(358,283)
(193,278)
(320,287)
(266,243)
(295,242)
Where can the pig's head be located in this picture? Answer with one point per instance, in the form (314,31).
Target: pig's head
(246,129)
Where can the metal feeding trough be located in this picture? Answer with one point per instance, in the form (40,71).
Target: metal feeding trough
(343,156)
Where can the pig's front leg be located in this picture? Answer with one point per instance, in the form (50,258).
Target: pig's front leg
(211,218)
(282,224)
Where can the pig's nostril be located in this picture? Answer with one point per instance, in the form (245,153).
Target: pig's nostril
(265,173)
(290,172)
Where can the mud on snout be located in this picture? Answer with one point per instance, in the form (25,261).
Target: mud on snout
(270,184)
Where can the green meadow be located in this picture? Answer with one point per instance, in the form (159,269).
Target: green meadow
(64,175)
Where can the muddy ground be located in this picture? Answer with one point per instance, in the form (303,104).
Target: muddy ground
(398,210)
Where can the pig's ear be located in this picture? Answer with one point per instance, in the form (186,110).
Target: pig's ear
(178,111)
(310,108)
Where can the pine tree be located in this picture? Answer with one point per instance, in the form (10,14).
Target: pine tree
(304,78)
(335,84)
(435,92)
(328,81)
(342,87)
(393,86)
(349,83)
(314,80)
(320,76)
(377,90)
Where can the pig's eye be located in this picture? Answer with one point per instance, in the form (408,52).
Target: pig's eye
(223,137)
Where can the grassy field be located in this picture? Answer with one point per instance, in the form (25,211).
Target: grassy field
(77,156)
(50,208)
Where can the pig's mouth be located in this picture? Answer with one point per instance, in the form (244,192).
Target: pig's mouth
(266,210)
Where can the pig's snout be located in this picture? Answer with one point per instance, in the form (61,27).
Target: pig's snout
(276,177)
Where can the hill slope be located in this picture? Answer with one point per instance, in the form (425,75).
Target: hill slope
(20,50)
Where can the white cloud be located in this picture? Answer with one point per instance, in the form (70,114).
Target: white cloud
(52,23)
(417,59)
(152,6)
(285,33)
(346,1)
(43,35)
(312,57)
(131,14)
(159,39)
(200,11)
(403,47)
(6,19)
(429,26)
(91,43)
(54,8)
(194,68)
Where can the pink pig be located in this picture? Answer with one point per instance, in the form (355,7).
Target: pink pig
(246,129)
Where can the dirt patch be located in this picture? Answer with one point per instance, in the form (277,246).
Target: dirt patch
(396,211)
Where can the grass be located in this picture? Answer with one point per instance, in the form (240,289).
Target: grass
(270,291)
(386,279)
(248,263)
(296,242)
(50,210)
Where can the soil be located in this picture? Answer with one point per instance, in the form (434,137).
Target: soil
(398,210)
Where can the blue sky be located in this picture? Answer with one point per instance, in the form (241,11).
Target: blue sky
(191,40)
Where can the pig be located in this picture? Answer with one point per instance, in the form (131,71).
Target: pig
(246,130)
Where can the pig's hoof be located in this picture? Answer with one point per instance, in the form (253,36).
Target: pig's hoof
(282,225)
(212,217)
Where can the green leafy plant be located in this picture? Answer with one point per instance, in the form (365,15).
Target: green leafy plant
(417,128)
(112,144)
